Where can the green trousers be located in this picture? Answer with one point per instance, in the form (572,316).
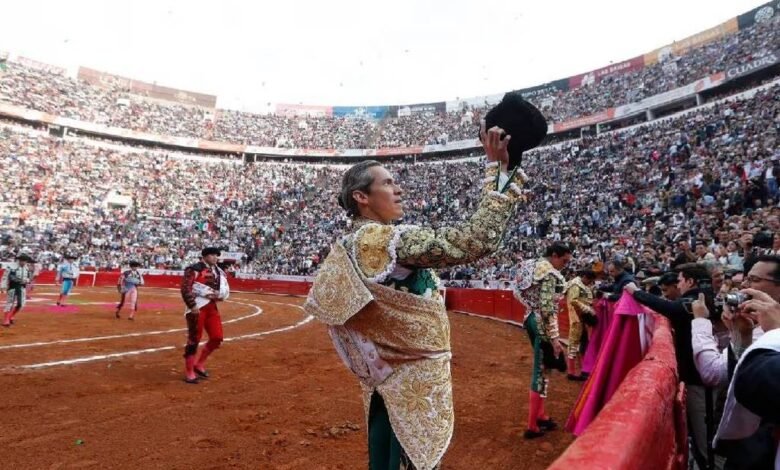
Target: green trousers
(384,450)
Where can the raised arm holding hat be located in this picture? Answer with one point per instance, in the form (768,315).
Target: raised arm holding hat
(380,298)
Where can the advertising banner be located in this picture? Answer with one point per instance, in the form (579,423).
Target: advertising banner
(584,121)
(759,14)
(681,47)
(361,112)
(476,101)
(455,145)
(151,90)
(398,151)
(34,64)
(677,94)
(596,76)
(291,110)
(545,89)
(746,68)
(422,108)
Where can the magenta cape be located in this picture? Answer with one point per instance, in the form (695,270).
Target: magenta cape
(620,352)
(603,310)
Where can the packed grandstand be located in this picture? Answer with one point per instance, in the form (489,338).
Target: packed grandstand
(682,139)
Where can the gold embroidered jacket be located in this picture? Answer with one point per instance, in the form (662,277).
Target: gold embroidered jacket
(578,297)
(539,289)
(388,323)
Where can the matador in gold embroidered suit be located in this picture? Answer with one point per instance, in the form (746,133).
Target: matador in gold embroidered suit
(579,298)
(380,298)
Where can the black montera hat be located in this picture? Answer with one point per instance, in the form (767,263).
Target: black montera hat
(520,119)
(24,257)
(134,264)
(212,250)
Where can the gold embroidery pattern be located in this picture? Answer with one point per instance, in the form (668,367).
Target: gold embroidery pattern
(418,397)
(579,296)
(411,333)
(578,302)
(371,248)
(450,246)
(338,293)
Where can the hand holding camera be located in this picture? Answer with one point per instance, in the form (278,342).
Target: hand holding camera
(735,318)
(760,307)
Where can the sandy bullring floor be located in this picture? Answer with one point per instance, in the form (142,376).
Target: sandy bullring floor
(81,389)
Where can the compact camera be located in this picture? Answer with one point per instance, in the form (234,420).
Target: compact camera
(735,299)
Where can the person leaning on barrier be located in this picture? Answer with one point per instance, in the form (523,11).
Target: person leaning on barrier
(618,272)
(692,280)
(668,285)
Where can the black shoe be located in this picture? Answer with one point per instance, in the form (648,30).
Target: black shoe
(547,424)
(202,373)
(530,434)
(577,378)
(191,381)
(116,314)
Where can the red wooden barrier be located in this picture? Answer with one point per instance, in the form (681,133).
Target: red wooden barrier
(499,304)
(110,279)
(650,400)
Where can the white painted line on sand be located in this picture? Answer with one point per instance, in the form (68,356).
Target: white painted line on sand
(257,312)
(103,357)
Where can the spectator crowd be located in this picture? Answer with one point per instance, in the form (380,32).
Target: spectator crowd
(113,105)
(706,180)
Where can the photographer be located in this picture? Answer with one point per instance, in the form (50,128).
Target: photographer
(748,432)
(692,280)
(754,381)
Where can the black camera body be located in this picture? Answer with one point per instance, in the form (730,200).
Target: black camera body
(713,306)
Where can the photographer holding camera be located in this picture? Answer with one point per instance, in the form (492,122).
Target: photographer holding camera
(693,280)
(748,431)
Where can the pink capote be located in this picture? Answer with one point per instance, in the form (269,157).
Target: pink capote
(619,353)
(604,310)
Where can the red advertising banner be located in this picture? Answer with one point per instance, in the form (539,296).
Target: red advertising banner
(605,115)
(398,151)
(596,76)
(151,90)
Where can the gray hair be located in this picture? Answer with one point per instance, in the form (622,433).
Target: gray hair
(357,178)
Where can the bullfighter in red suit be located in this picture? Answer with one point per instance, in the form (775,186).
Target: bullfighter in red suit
(203,286)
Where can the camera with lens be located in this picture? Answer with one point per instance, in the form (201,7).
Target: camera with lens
(735,299)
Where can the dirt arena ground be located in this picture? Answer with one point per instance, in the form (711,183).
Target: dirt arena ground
(81,389)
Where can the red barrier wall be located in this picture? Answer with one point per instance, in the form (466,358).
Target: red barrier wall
(651,400)
(499,304)
(110,279)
